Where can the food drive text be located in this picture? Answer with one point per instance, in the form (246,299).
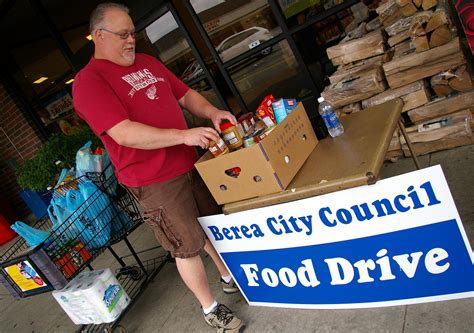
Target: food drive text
(382,266)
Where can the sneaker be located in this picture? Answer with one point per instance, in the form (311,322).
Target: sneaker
(224,320)
(229,288)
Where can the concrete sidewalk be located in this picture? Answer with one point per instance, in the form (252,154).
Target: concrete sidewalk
(167,306)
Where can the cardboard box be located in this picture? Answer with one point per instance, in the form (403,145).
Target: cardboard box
(267,167)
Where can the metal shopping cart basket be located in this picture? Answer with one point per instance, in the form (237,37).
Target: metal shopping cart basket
(106,217)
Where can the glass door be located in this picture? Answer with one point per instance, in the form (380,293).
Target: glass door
(167,41)
(251,50)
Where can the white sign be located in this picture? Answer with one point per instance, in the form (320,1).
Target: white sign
(59,104)
(399,241)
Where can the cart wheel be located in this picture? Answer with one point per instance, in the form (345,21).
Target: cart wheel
(136,273)
(118,329)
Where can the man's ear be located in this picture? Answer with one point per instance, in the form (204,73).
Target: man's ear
(98,35)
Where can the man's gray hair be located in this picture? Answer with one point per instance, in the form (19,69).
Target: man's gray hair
(97,15)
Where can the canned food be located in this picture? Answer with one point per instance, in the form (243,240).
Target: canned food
(218,148)
(247,122)
(231,135)
(249,140)
(233,172)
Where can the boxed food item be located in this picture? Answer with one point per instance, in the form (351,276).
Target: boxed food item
(283,107)
(265,111)
(263,168)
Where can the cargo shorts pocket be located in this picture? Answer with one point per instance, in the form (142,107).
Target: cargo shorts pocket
(160,225)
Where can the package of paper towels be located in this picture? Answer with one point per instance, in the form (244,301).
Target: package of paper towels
(93,297)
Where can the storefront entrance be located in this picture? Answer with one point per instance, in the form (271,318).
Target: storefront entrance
(233,52)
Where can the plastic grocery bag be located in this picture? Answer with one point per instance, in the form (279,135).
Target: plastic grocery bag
(65,176)
(84,214)
(87,161)
(96,215)
(60,218)
(66,180)
(32,236)
(115,220)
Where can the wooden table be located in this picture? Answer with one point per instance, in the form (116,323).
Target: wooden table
(350,160)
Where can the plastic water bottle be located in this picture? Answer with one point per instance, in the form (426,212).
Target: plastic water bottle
(330,118)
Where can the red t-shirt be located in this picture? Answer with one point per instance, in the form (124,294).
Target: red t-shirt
(105,94)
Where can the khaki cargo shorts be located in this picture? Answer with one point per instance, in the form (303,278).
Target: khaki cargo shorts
(171,209)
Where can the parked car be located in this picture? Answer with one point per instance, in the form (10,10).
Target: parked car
(191,72)
(242,41)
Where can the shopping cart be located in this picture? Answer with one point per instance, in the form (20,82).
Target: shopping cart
(107,216)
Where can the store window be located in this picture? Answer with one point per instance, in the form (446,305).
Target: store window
(234,29)
(275,73)
(237,26)
(41,70)
(165,40)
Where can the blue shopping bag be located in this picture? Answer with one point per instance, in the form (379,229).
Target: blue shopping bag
(95,214)
(32,236)
(60,218)
(84,214)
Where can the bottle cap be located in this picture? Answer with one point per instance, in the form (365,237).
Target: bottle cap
(320,99)
(225,125)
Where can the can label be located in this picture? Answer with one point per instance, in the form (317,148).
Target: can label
(249,141)
(230,138)
(217,148)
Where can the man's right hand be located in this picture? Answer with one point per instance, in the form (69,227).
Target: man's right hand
(200,136)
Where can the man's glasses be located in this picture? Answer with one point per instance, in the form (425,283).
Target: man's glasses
(122,35)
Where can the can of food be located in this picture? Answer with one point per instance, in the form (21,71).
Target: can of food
(249,140)
(231,134)
(247,122)
(218,148)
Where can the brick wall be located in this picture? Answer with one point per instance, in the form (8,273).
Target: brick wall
(19,141)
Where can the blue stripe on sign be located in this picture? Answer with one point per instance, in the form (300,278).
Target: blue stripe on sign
(457,278)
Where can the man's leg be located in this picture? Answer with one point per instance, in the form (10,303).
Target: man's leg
(228,284)
(208,206)
(215,257)
(179,232)
(193,273)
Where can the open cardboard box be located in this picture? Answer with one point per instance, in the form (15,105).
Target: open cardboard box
(267,167)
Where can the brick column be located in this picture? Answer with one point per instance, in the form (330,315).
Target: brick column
(19,141)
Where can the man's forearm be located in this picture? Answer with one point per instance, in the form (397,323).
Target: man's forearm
(137,135)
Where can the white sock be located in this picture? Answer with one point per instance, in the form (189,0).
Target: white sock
(210,308)
(226,278)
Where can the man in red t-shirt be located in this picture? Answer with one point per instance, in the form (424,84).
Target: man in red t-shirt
(133,103)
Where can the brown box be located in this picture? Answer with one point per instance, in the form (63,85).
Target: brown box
(267,167)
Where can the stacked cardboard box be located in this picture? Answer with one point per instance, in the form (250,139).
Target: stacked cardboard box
(413,53)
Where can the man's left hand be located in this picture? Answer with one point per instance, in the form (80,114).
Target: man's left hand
(221,115)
